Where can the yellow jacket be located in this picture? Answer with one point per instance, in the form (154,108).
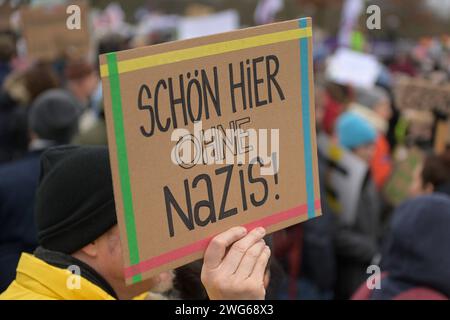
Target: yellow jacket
(37,280)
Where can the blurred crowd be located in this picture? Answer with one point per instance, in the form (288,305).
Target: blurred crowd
(49,103)
(401,210)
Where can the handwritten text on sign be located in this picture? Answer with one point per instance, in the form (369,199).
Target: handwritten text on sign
(196,129)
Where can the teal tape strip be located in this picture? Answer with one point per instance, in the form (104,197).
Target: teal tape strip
(306,119)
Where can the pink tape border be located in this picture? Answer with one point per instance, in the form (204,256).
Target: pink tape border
(201,245)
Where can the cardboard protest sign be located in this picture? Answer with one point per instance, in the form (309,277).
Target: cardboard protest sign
(417,93)
(344,179)
(47,35)
(182,118)
(397,187)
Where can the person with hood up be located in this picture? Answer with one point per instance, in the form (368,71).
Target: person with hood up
(416,260)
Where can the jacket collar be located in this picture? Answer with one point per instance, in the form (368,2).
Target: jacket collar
(42,278)
(64,261)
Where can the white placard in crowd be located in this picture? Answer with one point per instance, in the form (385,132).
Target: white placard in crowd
(354,68)
(191,27)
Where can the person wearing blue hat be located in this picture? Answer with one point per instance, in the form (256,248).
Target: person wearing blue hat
(356,134)
(357,243)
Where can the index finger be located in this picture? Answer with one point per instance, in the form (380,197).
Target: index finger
(217,247)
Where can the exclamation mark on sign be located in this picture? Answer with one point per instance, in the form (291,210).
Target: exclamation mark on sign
(275,170)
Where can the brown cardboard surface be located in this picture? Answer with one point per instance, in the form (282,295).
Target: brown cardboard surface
(416,93)
(144,174)
(46,33)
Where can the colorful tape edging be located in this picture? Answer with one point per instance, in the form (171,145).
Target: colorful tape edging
(201,245)
(205,50)
(112,69)
(306,119)
(122,160)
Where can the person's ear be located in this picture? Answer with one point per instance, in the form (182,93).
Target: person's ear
(91,249)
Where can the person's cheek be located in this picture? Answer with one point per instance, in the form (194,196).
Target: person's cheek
(117,266)
(116,255)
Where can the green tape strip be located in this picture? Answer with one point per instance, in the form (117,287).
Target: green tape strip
(122,160)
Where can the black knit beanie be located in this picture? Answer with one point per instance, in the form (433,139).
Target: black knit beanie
(75,200)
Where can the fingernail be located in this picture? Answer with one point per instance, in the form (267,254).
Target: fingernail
(243,230)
